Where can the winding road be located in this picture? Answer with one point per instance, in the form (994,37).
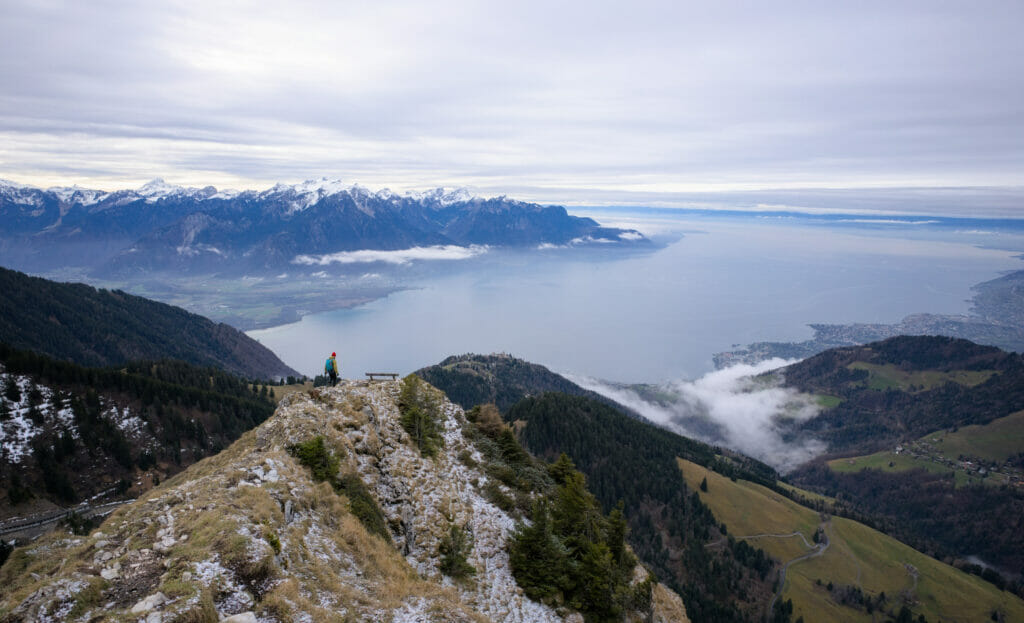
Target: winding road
(816,550)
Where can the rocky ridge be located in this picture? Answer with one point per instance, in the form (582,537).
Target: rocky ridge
(247,535)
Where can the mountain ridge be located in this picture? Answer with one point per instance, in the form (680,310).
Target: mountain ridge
(95,327)
(501,379)
(251,533)
(161,227)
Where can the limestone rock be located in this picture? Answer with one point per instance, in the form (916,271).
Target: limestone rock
(149,603)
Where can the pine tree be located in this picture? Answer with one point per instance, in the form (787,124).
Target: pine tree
(538,560)
(11,390)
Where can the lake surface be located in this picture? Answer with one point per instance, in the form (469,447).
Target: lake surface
(658,315)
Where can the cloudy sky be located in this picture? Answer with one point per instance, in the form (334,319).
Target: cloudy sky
(569,101)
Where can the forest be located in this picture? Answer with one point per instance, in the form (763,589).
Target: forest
(95,327)
(634,462)
(188,412)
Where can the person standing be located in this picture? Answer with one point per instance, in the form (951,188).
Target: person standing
(331,368)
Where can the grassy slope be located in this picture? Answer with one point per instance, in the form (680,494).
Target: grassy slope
(889,376)
(900,463)
(996,441)
(810,495)
(857,556)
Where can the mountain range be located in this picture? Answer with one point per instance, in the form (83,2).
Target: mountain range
(161,228)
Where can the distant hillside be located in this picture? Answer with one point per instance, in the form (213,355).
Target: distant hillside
(893,405)
(90,327)
(633,461)
(905,387)
(502,380)
(71,433)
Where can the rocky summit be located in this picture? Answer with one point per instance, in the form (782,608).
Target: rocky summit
(251,535)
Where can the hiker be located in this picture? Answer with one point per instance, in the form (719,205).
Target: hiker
(331,368)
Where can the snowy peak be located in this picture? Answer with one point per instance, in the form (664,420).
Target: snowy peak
(303,194)
(307,194)
(443,196)
(157,189)
(77,194)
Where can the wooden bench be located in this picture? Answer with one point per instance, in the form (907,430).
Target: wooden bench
(379,376)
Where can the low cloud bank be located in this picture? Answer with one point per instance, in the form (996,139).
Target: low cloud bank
(403,256)
(733,407)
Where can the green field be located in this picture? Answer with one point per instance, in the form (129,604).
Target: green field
(889,461)
(996,441)
(890,376)
(857,556)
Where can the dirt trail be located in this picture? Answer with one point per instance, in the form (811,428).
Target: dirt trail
(818,550)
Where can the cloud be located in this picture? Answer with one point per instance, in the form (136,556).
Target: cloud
(734,408)
(886,221)
(404,256)
(665,97)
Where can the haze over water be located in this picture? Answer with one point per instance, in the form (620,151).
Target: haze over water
(659,315)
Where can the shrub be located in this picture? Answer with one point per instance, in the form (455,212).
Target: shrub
(454,548)
(420,406)
(488,419)
(572,553)
(275,543)
(363,505)
(315,455)
(493,492)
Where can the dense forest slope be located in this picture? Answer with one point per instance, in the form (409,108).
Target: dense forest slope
(635,462)
(90,327)
(71,433)
(500,379)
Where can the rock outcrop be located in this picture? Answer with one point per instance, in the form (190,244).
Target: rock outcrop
(248,535)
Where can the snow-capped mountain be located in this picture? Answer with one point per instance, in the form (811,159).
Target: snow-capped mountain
(161,226)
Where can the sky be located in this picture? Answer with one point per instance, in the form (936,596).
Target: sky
(573,102)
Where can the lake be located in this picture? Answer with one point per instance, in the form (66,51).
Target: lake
(660,315)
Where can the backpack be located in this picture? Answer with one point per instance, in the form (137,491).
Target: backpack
(329,366)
